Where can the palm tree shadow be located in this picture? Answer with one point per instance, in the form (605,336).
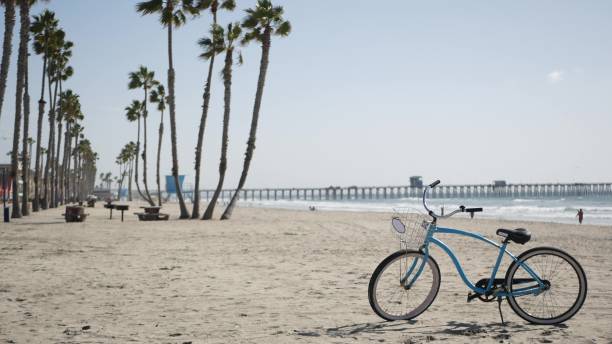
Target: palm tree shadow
(378,327)
(58,222)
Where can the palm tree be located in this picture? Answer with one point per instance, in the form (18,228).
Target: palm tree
(43,27)
(76,133)
(61,118)
(64,72)
(30,143)
(173,13)
(7,45)
(158,96)
(25,170)
(24,14)
(56,60)
(133,113)
(233,35)
(145,79)
(130,155)
(71,108)
(262,22)
(124,160)
(108,179)
(86,168)
(212,46)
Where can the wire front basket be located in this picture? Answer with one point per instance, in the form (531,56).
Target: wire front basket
(410,227)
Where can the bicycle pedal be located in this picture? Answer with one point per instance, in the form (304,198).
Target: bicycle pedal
(471,296)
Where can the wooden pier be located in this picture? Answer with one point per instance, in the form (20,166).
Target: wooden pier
(339,193)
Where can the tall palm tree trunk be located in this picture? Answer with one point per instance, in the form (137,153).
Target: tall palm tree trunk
(159,145)
(171,104)
(22,56)
(41,112)
(136,170)
(49,173)
(7,47)
(53,164)
(130,180)
(227,83)
(263,69)
(198,158)
(58,172)
(57,182)
(195,214)
(144,153)
(46,191)
(75,172)
(78,177)
(25,169)
(66,164)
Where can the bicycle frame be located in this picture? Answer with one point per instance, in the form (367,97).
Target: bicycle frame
(430,239)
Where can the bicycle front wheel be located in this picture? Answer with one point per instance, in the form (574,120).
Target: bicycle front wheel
(566,286)
(395,294)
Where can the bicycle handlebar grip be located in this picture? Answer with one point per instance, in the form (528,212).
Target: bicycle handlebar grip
(434,184)
(473,210)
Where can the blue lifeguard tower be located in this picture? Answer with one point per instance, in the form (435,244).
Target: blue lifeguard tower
(171,186)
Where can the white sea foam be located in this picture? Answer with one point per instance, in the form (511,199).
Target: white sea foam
(596,210)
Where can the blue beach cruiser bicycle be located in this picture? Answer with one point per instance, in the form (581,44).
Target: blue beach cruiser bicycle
(543,285)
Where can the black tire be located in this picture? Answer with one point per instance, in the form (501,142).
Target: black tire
(572,275)
(420,308)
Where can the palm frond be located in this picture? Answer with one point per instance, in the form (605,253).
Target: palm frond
(240,59)
(204,4)
(150,7)
(284,29)
(228,5)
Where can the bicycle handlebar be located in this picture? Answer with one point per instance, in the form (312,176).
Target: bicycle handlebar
(462,209)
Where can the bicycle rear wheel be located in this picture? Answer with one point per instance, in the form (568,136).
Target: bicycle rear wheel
(394,295)
(566,292)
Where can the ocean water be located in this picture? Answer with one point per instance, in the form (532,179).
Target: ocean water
(597,210)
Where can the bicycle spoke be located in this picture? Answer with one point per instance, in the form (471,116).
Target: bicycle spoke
(390,294)
(562,293)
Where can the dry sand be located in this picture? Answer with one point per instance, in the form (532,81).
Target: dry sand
(266,276)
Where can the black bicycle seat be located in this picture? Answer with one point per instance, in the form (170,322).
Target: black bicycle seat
(519,235)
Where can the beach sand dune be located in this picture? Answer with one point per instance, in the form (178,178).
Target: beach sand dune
(266,276)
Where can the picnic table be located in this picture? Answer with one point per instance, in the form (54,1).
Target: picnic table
(122,208)
(152,214)
(110,206)
(75,213)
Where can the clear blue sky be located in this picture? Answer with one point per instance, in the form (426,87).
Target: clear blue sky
(362,94)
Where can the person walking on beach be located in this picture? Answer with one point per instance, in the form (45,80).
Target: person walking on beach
(580,215)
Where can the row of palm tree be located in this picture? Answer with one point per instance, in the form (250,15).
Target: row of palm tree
(259,25)
(59,182)
(155,93)
(125,161)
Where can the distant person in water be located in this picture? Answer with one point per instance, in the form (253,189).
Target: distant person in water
(580,215)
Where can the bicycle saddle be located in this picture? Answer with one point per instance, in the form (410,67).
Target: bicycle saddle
(519,235)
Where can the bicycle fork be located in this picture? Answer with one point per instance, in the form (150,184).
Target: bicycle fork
(408,282)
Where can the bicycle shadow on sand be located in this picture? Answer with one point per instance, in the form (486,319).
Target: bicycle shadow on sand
(498,331)
(377,327)
(411,332)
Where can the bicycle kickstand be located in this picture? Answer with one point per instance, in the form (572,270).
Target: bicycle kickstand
(499,302)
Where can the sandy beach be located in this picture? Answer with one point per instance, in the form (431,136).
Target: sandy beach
(266,276)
